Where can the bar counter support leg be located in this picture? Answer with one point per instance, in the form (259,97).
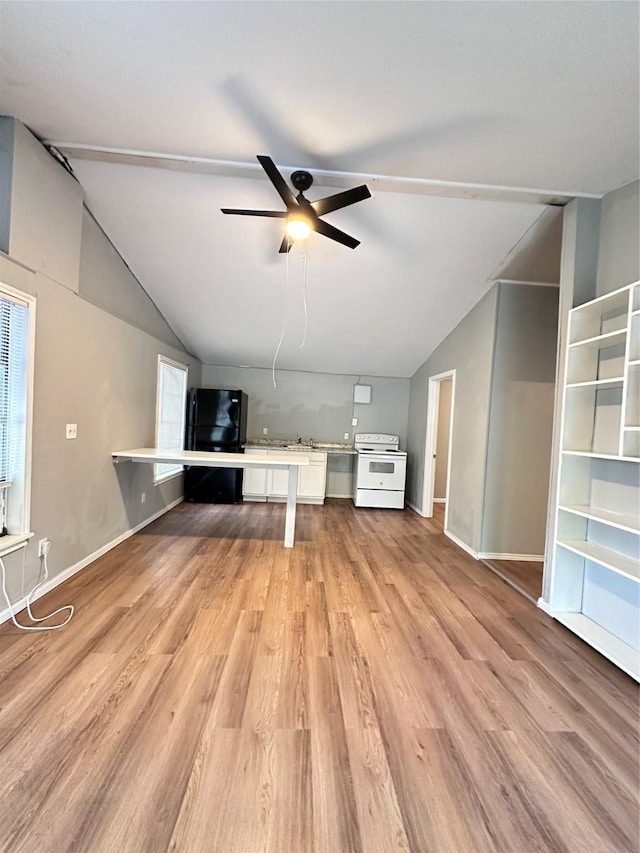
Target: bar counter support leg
(290,520)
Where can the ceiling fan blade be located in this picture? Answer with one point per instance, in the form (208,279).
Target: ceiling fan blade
(278,181)
(274,213)
(339,200)
(286,244)
(333,233)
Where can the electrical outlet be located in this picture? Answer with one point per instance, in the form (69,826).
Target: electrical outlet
(265,431)
(72,431)
(346,436)
(143,497)
(44,546)
(354,422)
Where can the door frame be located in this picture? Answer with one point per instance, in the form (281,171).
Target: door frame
(429,476)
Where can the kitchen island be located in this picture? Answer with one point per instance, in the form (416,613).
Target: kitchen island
(204,459)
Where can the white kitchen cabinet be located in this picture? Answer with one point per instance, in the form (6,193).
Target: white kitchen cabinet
(254,480)
(312,480)
(595,580)
(273,486)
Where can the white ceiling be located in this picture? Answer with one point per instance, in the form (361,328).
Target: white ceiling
(418,99)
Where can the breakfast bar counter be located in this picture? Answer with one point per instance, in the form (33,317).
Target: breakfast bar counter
(228,460)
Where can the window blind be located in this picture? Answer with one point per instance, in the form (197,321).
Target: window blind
(13,387)
(170,420)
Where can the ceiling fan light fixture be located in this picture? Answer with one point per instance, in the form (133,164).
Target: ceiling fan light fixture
(297,228)
(302,216)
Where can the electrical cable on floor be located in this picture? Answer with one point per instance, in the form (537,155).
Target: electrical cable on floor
(33,618)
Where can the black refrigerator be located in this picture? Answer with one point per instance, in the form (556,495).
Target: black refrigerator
(217,422)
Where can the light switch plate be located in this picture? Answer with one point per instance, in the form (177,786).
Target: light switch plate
(354,422)
(72,431)
(265,431)
(346,436)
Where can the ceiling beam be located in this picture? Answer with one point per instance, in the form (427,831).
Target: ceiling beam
(378,183)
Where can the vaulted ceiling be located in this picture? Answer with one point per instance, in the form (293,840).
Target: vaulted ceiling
(465,119)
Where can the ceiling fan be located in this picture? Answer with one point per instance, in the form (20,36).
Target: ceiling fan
(301,212)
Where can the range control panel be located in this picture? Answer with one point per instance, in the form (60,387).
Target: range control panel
(376,438)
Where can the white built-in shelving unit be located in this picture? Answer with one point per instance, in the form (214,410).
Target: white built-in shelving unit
(595,586)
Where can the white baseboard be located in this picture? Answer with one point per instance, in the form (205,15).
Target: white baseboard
(461,544)
(416,510)
(544,605)
(524,558)
(52,583)
(439,500)
(345,497)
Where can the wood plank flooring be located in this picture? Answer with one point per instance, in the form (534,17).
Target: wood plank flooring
(372,689)
(525,575)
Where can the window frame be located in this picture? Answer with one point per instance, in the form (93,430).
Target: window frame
(158,475)
(18,538)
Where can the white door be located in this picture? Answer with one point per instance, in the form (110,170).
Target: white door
(442,442)
(431,443)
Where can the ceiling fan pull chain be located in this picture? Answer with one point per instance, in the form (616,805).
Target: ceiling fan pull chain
(284,324)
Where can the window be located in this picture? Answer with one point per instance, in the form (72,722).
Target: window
(170,413)
(17,324)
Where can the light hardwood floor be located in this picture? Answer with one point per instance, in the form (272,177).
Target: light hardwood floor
(373,689)
(525,575)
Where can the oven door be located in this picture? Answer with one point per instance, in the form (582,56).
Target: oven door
(381,471)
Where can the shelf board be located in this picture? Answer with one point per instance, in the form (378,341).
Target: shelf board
(613,296)
(612,456)
(612,560)
(609,339)
(614,519)
(615,381)
(617,651)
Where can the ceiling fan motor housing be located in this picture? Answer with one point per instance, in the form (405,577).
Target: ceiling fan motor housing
(301,180)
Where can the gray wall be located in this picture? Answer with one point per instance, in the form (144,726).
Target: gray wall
(6,175)
(503,353)
(619,255)
(536,257)
(468,350)
(106,281)
(95,365)
(520,421)
(314,405)
(318,406)
(46,211)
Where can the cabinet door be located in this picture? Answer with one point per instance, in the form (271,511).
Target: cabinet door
(312,480)
(254,481)
(279,486)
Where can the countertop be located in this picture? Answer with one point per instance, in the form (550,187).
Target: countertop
(284,444)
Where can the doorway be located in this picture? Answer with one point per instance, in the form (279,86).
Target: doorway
(437,469)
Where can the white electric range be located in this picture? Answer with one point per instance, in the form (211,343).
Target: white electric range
(381,471)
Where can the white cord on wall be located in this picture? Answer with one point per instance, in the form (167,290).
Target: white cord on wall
(286,307)
(304,293)
(284,322)
(33,618)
